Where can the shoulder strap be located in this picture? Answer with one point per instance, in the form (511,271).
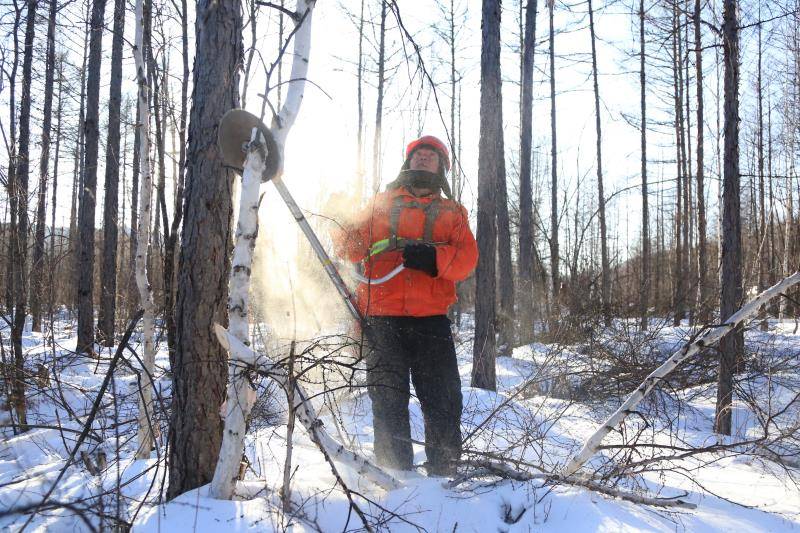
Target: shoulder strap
(431,214)
(394,217)
(431,211)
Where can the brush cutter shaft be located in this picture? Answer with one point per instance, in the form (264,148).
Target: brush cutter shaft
(320,252)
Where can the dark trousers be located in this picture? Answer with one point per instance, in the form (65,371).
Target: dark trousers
(424,347)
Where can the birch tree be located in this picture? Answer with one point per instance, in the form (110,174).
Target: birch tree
(240,396)
(145,421)
(657,376)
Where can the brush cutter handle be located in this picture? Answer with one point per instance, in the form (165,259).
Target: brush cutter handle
(320,252)
(378,281)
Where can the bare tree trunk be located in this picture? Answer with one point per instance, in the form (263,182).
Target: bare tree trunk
(644,288)
(37,264)
(526,244)
(200,363)
(145,418)
(772,273)
(679,289)
(376,143)
(731,291)
(455,186)
(56,157)
(89,191)
(108,281)
(11,263)
(134,218)
(77,175)
(506,270)
(601,202)
(21,236)
(761,237)
(686,128)
(703,309)
(251,50)
(78,165)
(171,245)
(168,259)
(280,63)
(788,238)
(554,276)
(360,77)
(490,152)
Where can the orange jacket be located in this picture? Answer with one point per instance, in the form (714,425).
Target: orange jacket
(410,293)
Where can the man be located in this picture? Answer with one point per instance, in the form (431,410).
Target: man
(413,225)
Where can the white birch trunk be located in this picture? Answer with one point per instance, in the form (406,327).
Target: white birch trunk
(709,338)
(145,433)
(305,412)
(297,80)
(239,396)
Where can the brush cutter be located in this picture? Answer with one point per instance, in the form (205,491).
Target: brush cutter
(237,130)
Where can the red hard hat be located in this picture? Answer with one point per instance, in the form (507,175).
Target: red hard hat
(431,142)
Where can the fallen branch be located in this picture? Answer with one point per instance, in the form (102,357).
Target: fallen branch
(484,468)
(707,339)
(307,415)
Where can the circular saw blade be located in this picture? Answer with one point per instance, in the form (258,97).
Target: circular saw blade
(234,132)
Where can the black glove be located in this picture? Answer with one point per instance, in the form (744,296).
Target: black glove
(421,257)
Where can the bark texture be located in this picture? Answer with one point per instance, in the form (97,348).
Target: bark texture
(554,258)
(601,202)
(526,244)
(21,235)
(731,291)
(199,364)
(37,265)
(644,294)
(490,150)
(703,308)
(108,279)
(91,128)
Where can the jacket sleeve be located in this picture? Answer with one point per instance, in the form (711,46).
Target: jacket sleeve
(457,259)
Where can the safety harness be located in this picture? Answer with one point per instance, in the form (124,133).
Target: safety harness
(393,242)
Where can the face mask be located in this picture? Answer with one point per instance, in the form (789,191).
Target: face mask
(421,179)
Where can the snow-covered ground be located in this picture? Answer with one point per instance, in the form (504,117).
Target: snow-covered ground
(537,428)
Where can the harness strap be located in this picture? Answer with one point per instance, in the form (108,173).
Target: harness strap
(431,214)
(431,211)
